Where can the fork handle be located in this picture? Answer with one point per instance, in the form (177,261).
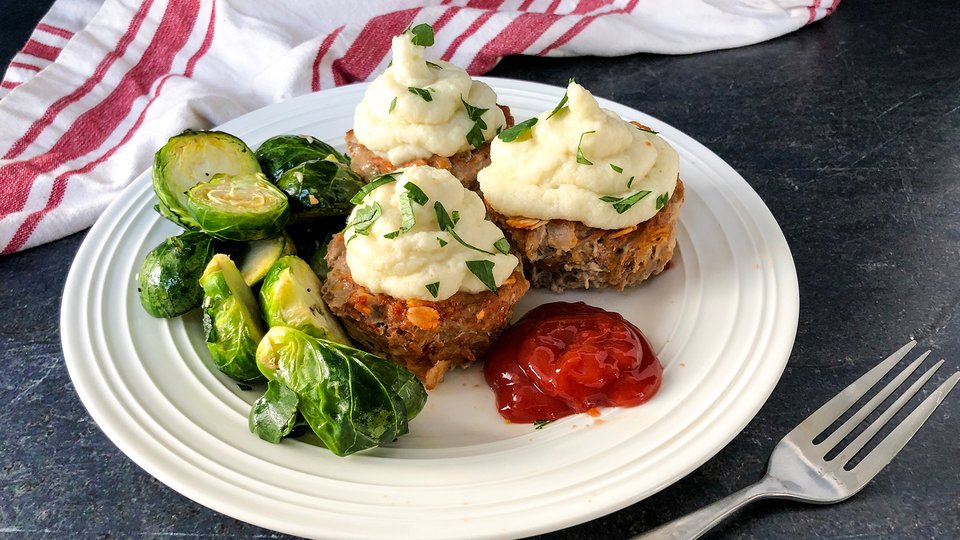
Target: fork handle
(695,524)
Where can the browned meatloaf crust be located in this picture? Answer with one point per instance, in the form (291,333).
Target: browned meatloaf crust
(427,337)
(559,254)
(464,165)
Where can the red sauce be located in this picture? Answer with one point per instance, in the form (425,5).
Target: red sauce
(562,358)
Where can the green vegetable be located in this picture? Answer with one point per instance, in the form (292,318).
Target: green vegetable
(502,246)
(424,93)
(290,296)
(662,200)
(231,320)
(580,159)
(168,278)
(422,35)
(257,256)
(433,288)
(483,269)
(622,204)
(475,135)
(352,400)
(274,415)
(375,182)
(193,157)
(279,154)
(364,218)
(320,188)
(518,132)
(242,207)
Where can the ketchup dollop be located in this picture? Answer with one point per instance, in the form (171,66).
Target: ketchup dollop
(564,358)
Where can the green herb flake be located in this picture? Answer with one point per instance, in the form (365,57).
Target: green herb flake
(442,241)
(662,200)
(392,235)
(519,132)
(364,218)
(483,269)
(422,35)
(433,288)
(443,218)
(580,159)
(616,169)
(475,135)
(563,101)
(424,93)
(464,243)
(502,246)
(375,182)
(455,215)
(434,66)
(407,217)
(630,182)
(393,105)
(538,424)
(622,204)
(416,194)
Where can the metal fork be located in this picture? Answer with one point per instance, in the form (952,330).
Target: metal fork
(799,469)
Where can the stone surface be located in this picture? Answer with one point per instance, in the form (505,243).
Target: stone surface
(847,129)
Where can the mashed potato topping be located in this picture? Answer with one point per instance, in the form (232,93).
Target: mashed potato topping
(426,261)
(414,109)
(584,164)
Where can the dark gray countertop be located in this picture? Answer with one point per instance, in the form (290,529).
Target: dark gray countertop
(850,132)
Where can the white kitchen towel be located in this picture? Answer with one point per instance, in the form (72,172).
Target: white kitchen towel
(101,85)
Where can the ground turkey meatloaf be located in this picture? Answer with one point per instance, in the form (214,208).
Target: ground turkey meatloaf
(464,165)
(560,254)
(427,337)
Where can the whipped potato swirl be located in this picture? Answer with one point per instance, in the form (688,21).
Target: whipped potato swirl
(414,110)
(404,264)
(584,164)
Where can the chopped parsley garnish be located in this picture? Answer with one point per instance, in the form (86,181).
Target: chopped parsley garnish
(424,93)
(447,224)
(393,105)
(563,101)
(622,204)
(442,241)
(630,182)
(365,217)
(455,215)
(483,269)
(392,235)
(462,242)
(407,218)
(662,200)
(580,159)
(416,194)
(475,135)
(433,288)
(519,131)
(538,424)
(616,169)
(375,182)
(434,66)
(422,35)
(502,246)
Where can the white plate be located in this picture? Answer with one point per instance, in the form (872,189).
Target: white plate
(722,320)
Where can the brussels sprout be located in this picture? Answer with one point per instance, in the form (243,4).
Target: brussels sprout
(312,238)
(192,157)
(241,207)
(256,257)
(320,188)
(274,415)
(278,154)
(168,278)
(231,320)
(352,400)
(290,296)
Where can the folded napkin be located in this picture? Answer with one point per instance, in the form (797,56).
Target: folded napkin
(101,85)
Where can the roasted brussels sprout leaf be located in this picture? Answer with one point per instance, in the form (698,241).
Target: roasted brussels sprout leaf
(192,157)
(231,320)
(311,239)
(283,152)
(320,188)
(341,395)
(238,207)
(274,414)
(290,296)
(256,257)
(168,278)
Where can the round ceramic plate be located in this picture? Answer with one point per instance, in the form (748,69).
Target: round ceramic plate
(722,319)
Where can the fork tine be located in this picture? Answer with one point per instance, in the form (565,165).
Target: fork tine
(862,439)
(871,405)
(831,410)
(880,456)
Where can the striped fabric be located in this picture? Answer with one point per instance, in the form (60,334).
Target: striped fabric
(101,85)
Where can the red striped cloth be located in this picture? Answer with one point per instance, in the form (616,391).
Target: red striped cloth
(100,86)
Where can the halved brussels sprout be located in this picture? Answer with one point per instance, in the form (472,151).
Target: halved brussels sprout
(168,278)
(257,256)
(320,188)
(278,154)
(240,207)
(231,320)
(290,296)
(352,400)
(192,157)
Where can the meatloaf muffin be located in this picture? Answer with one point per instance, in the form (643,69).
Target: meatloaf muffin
(420,276)
(588,199)
(420,112)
